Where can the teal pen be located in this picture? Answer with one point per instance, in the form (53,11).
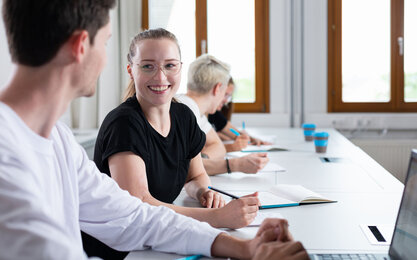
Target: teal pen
(191,257)
(234,131)
(243,125)
(255,151)
(279,206)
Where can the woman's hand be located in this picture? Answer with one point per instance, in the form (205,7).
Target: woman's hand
(238,213)
(256,141)
(210,199)
(241,142)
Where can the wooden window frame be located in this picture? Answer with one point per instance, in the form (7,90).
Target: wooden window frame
(262,102)
(334,70)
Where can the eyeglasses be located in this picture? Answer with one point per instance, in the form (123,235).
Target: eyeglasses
(228,98)
(169,68)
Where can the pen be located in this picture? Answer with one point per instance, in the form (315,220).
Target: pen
(223,192)
(243,125)
(191,257)
(234,131)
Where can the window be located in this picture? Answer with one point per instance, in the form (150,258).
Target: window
(238,36)
(372,56)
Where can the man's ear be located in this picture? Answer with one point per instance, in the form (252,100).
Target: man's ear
(79,44)
(129,71)
(216,88)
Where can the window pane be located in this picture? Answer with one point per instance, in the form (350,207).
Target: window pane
(366,51)
(178,17)
(231,38)
(410,51)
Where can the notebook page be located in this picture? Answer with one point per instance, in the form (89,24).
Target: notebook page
(268,198)
(294,192)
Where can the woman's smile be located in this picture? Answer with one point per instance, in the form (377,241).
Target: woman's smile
(159,89)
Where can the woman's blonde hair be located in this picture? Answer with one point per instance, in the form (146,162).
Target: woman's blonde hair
(154,34)
(205,72)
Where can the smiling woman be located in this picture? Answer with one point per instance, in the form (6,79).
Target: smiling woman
(151,145)
(155,74)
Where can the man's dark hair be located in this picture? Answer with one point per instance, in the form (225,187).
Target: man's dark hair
(36,29)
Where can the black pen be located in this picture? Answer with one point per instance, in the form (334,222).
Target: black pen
(223,192)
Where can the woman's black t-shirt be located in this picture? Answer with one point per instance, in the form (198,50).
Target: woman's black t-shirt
(167,159)
(218,120)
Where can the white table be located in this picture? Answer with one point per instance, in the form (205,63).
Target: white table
(366,193)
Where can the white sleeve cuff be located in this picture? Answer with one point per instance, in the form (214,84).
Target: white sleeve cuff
(202,240)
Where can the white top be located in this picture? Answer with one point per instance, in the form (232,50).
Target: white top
(49,190)
(202,120)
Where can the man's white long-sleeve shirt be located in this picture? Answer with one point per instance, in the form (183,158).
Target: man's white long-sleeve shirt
(49,190)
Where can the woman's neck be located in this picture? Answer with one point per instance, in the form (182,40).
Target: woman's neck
(158,116)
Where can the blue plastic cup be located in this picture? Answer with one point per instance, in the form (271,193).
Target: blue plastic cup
(321,139)
(309,131)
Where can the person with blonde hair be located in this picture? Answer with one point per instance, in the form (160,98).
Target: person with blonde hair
(221,123)
(208,78)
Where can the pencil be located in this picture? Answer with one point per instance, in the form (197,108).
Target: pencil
(223,192)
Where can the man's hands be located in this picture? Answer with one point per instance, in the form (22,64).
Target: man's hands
(271,229)
(274,241)
(281,250)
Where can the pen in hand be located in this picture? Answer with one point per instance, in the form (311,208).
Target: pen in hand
(223,192)
(234,131)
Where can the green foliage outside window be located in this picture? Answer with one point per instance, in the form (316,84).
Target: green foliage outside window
(410,87)
(245,90)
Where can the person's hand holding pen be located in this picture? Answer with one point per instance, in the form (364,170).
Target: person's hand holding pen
(256,141)
(239,212)
(240,142)
(251,140)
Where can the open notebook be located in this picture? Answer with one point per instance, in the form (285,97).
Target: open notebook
(263,148)
(284,195)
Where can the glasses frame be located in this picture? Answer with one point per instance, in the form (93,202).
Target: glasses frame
(157,68)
